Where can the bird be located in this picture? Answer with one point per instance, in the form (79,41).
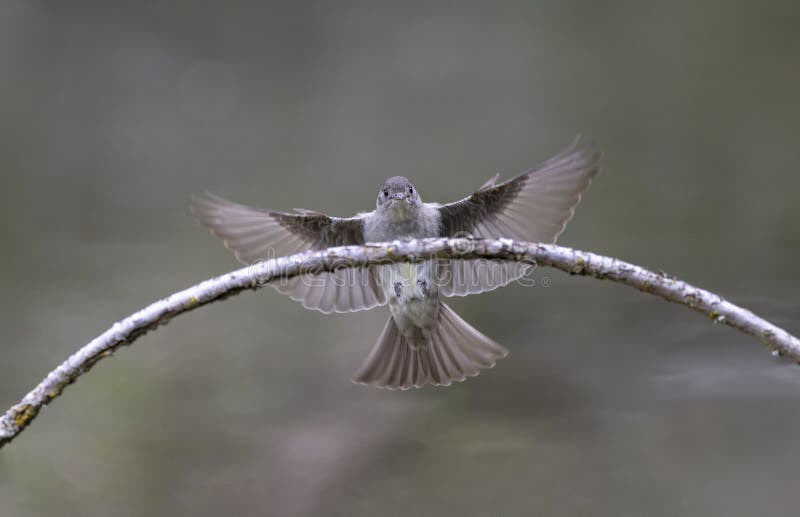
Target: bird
(424,342)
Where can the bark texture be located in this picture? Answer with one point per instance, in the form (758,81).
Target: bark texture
(571,261)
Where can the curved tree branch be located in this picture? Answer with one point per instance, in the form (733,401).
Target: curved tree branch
(575,262)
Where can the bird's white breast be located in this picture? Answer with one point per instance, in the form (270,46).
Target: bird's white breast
(402,223)
(410,288)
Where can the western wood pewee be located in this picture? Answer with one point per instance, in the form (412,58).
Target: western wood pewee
(423,341)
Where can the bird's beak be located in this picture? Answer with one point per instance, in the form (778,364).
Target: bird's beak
(399,196)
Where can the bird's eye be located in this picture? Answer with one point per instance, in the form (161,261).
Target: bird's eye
(386,192)
(410,189)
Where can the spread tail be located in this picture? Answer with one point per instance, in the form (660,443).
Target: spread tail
(453,352)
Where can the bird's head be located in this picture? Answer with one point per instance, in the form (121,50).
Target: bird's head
(399,195)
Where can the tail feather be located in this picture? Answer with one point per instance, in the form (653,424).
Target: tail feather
(453,352)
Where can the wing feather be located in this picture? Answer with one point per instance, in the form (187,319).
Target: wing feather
(255,234)
(535,206)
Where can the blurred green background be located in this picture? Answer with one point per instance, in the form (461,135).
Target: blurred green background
(611,403)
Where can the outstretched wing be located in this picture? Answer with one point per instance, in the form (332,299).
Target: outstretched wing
(255,234)
(534,206)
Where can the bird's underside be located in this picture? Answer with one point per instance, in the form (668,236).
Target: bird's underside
(534,206)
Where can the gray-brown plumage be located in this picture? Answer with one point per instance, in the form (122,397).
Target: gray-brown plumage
(254,233)
(424,341)
(534,206)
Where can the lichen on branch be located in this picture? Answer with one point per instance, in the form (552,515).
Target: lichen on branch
(569,260)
